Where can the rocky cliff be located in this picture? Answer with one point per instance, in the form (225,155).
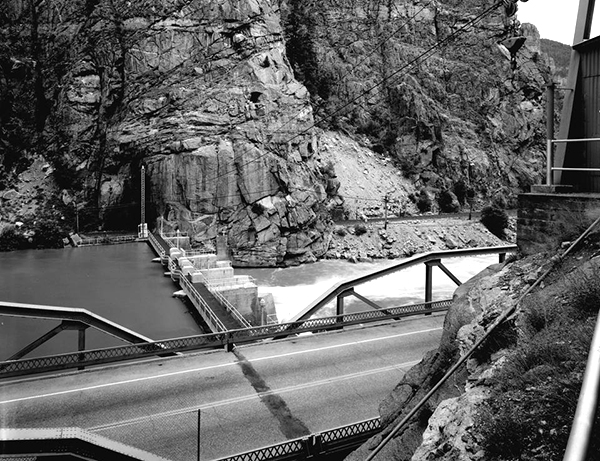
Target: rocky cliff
(516,396)
(203,95)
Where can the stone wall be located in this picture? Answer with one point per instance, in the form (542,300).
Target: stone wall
(546,220)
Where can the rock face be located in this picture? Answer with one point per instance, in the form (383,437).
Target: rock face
(430,85)
(202,95)
(444,429)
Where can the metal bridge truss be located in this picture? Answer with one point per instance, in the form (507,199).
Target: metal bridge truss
(71,319)
(227,339)
(432,259)
(315,446)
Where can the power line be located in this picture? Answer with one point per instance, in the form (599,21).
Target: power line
(392,77)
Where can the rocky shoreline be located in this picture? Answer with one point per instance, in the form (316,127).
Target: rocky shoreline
(370,240)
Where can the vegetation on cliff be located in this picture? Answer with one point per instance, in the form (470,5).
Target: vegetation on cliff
(207,97)
(530,411)
(516,396)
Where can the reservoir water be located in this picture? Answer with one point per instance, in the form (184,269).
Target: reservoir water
(120,283)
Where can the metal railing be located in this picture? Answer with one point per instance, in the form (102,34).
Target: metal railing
(106,240)
(431,259)
(208,314)
(550,158)
(314,446)
(158,248)
(583,422)
(225,339)
(225,303)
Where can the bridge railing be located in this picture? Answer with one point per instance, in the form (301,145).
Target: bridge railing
(225,339)
(316,445)
(432,259)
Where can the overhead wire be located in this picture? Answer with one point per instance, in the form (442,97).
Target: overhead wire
(394,76)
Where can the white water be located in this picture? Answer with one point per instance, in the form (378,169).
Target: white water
(295,288)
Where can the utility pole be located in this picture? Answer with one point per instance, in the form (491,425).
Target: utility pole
(143,227)
(386,200)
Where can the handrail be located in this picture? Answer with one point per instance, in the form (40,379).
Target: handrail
(189,289)
(156,245)
(225,302)
(346,285)
(549,158)
(583,422)
(315,445)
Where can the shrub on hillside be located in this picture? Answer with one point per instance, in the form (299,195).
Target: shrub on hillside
(448,202)
(495,219)
(534,395)
(10,238)
(424,202)
(360,229)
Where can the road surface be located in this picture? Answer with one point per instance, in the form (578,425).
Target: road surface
(256,396)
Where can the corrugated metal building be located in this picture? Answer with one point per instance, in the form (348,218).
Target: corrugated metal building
(569,201)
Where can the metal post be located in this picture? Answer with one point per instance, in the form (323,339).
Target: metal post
(549,132)
(76,218)
(339,307)
(143,197)
(81,343)
(586,406)
(429,280)
(385,210)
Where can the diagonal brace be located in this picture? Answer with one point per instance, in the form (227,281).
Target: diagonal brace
(64,325)
(446,271)
(373,304)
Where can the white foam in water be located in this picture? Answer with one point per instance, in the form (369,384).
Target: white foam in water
(295,288)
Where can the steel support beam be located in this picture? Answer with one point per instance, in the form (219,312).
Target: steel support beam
(342,287)
(582,32)
(64,325)
(429,265)
(446,271)
(74,315)
(374,305)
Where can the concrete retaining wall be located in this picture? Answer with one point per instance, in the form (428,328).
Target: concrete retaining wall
(546,220)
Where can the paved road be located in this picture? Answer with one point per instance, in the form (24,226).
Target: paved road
(257,396)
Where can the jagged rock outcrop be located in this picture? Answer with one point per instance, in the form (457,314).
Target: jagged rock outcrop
(430,85)
(201,94)
(444,429)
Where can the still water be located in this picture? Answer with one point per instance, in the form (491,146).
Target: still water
(120,283)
